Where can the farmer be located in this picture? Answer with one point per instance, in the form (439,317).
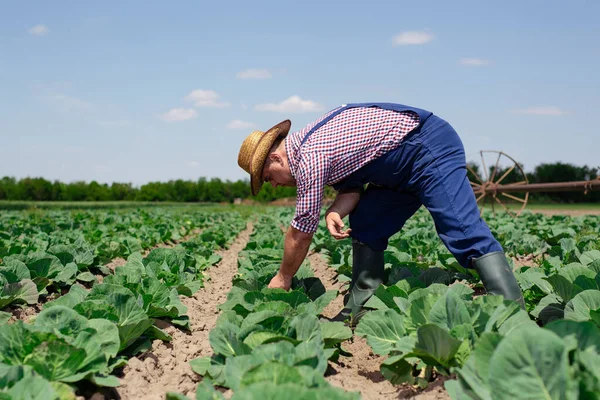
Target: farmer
(406,157)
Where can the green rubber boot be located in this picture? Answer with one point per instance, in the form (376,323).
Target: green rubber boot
(367,275)
(498,277)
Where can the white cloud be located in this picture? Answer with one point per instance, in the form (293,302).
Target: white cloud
(39,30)
(412,38)
(237,124)
(293,104)
(101,168)
(179,114)
(205,98)
(261,73)
(66,103)
(193,164)
(550,110)
(474,62)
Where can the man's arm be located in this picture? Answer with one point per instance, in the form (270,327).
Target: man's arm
(296,247)
(343,204)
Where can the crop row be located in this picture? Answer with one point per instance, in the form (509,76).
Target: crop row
(269,343)
(429,321)
(87,331)
(60,248)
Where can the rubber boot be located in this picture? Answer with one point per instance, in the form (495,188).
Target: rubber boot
(498,277)
(367,275)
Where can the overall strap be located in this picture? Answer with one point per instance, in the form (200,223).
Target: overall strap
(323,122)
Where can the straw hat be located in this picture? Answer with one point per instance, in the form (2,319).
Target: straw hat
(255,149)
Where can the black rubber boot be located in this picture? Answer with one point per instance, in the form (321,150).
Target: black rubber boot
(367,275)
(498,277)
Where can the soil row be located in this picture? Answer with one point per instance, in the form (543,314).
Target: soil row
(165,368)
(360,371)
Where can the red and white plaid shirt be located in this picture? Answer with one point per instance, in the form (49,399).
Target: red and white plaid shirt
(341,146)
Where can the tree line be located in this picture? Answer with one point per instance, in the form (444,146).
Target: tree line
(217,190)
(203,190)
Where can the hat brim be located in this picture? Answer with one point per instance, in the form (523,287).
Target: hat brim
(257,162)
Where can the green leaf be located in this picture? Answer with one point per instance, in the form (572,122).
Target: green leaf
(563,287)
(4,317)
(67,274)
(133,321)
(106,381)
(224,340)
(177,396)
(23,291)
(76,295)
(435,275)
(534,276)
(549,308)
(473,375)
(86,277)
(306,328)
(335,332)
(531,363)
(435,346)
(270,391)
(273,372)
(590,256)
(324,300)
(56,361)
(257,338)
(200,365)
(15,271)
(579,308)
(382,329)
(449,312)
(206,391)
(62,321)
(397,370)
(586,333)
(33,388)
(154,332)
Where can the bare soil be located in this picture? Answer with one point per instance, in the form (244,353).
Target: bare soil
(360,372)
(165,368)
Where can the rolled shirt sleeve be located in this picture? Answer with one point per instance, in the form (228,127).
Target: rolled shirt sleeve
(311,178)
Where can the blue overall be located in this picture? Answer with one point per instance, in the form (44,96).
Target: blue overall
(428,168)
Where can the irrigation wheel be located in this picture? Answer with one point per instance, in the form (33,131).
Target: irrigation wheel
(504,173)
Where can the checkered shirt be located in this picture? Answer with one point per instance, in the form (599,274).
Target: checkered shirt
(341,146)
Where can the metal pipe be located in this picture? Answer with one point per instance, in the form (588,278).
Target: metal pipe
(490,188)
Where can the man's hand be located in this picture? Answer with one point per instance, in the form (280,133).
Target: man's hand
(279,281)
(343,204)
(295,250)
(335,226)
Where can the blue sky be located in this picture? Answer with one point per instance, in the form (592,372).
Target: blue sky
(141,91)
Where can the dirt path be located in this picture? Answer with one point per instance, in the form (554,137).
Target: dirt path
(360,373)
(166,366)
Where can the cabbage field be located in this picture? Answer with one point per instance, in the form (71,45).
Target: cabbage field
(171,303)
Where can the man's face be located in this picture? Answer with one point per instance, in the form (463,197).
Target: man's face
(277,171)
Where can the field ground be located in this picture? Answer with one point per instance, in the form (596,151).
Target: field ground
(165,366)
(556,209)
(553,209)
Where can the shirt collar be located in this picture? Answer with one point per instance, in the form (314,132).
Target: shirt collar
(290,151)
